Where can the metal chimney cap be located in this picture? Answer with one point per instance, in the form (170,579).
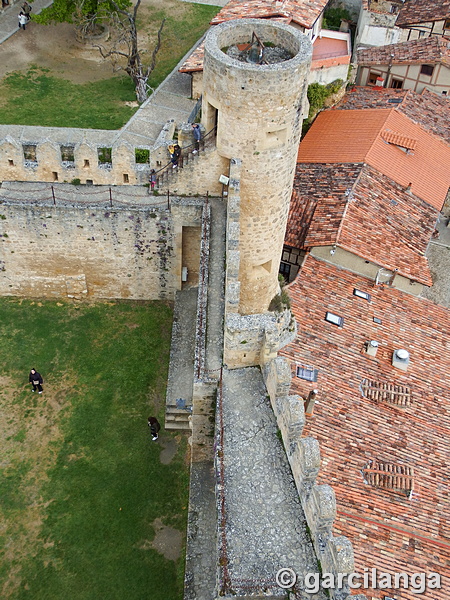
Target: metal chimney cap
(402,354)
(373,343)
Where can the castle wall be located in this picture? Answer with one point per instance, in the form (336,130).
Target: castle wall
(258,111)
(87,251)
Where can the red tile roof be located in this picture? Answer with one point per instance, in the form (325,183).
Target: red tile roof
(429,110)
(388,529)
(194,61)
(430,50)
(302,12)
(360,210)
(343,136)
(422,11)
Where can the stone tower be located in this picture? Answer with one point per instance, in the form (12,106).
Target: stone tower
(258,112)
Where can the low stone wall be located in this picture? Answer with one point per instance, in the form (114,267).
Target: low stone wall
(335,554)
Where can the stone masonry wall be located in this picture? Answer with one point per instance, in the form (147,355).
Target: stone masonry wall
(335,554)
(91,251)
(249,340)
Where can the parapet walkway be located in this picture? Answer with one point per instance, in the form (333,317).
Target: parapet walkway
(265,527)
(8,16)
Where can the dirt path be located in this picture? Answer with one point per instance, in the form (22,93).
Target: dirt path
(55,47)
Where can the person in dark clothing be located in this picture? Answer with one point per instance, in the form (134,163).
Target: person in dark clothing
(154,425)
(197,137)
(36,380)
(26,9)
(175,156)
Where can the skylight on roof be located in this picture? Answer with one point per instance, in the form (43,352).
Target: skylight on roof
(361,294)
(335,319)
(308,373)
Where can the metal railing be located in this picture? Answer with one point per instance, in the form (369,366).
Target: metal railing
(187,154)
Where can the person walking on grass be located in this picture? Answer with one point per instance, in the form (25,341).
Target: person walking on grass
(154,425)
(23,20)
(36,380)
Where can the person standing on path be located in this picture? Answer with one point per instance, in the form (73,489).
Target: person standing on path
(23,20)
(26,9)
(36,380)
(197,136)
(154,425)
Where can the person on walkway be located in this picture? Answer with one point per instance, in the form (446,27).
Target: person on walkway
(23,20)
(154,425)
(5,3)
(175,156)
(152,179)
(36,380)
(197,137)
(26,9)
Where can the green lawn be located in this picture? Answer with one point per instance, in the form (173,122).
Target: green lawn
(101,104)
(81,482)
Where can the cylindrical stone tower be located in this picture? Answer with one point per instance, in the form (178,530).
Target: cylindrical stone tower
(258,112)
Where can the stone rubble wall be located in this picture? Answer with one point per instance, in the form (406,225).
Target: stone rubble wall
(335,554)
(86,250)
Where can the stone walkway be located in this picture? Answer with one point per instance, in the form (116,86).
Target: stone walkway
(265,524)
(8,16)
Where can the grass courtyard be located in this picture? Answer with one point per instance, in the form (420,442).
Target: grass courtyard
(77,88)
(90,507)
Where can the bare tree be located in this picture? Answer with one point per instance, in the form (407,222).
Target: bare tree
(124,51)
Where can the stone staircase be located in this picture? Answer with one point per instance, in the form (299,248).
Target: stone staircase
(178,418)
(167,176)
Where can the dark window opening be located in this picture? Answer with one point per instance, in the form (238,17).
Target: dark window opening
(397,84)
(29,152)
(89,182)
(86,163)
(67,153)
(427,70)
(126,179)
(372,79)
(55,176)
(10,162)
(285,270)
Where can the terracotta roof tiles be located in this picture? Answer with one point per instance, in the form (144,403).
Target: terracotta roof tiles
(360,210)
(390,529)
(302,12)
(429,110)
(430,50)
(342,136)
(422,11)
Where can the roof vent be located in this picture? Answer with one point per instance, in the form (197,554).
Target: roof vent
(400,359)
(371,348)
(390,476)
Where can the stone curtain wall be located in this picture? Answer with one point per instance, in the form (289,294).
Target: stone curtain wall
(335,554)
(87,251)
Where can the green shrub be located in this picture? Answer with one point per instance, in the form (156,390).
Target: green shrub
(76,181)
(332,18)
(142,156)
